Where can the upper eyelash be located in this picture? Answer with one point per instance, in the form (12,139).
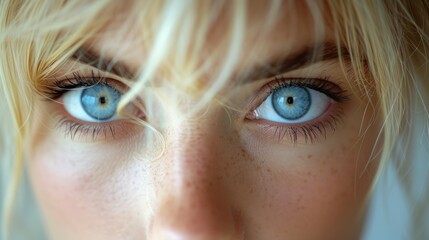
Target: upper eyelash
(61,86)
(322,85)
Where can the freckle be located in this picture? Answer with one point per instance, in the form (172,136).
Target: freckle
(243,152)
(188,184)
(334,171)
(308,173)
(309,156)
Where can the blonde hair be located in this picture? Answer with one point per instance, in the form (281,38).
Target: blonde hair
(389,38)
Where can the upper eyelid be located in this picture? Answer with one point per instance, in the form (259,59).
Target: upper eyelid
(91,58)
(57,87)
(96,76)
(73,66)
(267,89)
(335,91)
(319,84)
(92,81)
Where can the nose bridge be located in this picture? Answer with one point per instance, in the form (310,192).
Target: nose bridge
(192,203)
(194,148)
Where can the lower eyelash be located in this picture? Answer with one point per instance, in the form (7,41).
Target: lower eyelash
(310,132)
(75,130)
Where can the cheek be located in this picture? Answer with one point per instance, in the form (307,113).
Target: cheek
(313,191)
(307,204)
(83,191)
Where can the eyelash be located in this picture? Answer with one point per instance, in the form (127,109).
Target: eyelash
(310,131)
(74,128)
(322,85)
(59,87)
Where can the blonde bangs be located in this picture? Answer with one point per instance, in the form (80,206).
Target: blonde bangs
(388,55)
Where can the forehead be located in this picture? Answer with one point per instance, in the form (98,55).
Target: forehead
(205,35)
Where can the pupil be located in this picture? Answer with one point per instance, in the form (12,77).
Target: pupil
(289,100)
(102,100)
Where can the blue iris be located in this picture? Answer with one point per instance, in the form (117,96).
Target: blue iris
(291,102)
(100,101)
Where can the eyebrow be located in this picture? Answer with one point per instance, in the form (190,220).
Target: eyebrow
(92,58)
(306,56)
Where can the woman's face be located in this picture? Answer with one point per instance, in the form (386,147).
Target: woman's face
(293,163)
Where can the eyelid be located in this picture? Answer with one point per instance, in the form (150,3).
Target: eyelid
(70,84)
(57,87)
(298,132)
(323,85)
(122,127)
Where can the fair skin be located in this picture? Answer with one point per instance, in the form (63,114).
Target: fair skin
(224,175)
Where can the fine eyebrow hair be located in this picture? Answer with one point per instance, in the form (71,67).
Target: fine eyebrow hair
(304,57)
(92,58)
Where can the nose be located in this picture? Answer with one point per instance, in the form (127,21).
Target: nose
(192,202)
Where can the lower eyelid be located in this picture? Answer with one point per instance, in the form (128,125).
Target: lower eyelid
(303,133)
(120,129)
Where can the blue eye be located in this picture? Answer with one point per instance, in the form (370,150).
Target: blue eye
(100,101)
(97,103)
(293,104)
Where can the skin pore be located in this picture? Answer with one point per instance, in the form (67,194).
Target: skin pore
(223,175)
